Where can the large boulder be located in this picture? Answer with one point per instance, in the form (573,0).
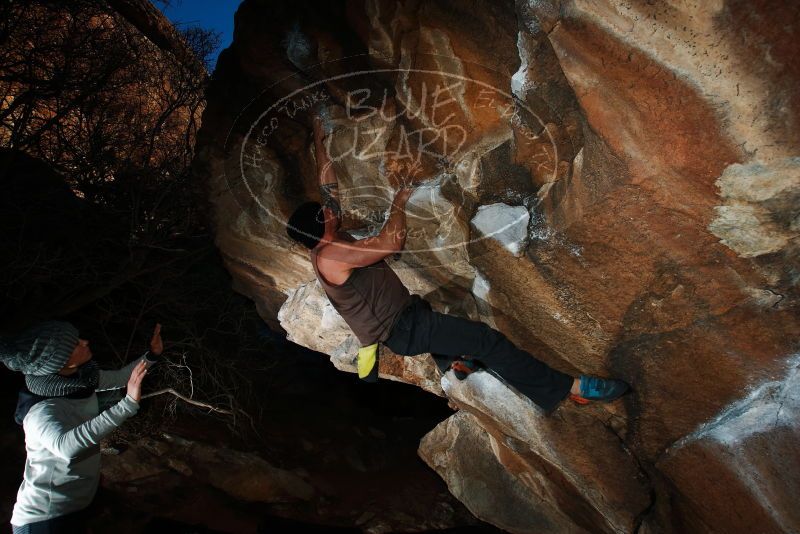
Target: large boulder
(570,470)
(613,185)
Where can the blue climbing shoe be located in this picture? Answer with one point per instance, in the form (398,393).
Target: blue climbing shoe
(594,388)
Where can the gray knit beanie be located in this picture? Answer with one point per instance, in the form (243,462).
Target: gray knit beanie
(40,350)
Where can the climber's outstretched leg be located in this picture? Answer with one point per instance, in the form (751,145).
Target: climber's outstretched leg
(420,330)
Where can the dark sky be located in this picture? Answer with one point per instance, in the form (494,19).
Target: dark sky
(216,15)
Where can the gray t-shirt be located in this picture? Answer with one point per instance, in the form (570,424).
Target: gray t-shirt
(62,437)
(370,301)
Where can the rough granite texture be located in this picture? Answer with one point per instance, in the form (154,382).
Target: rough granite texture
(651,149)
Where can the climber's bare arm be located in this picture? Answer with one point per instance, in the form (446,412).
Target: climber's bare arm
(336,259)
(328,184)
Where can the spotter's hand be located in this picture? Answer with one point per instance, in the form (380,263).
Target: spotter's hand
(156,345)
(135,381)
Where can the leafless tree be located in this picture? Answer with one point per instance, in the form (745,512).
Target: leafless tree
(102,221)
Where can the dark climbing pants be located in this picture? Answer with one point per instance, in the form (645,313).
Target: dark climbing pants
(419,329)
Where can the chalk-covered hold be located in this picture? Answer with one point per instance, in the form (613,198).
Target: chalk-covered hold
(508,225)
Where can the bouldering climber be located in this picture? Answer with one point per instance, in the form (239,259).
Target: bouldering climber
(380,310)
(61,413)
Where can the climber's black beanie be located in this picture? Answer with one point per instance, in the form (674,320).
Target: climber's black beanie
(307,224)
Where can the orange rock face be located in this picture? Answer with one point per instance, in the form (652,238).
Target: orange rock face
(640,165)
